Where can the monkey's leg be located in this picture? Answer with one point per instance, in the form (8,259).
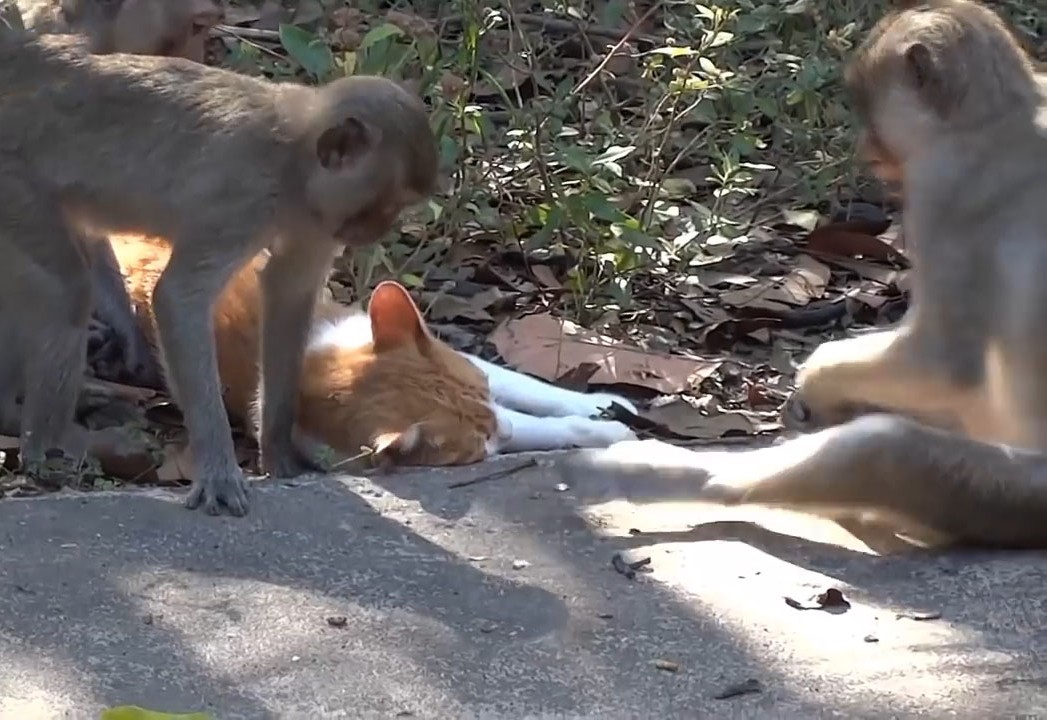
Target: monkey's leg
(47,271)
(183,306)
(889,371)
(289,281)
(921,480)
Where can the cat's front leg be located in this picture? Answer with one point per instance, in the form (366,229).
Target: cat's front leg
(518,391)
(520,432)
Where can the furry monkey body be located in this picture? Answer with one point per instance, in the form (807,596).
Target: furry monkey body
(220,164)
(173,28)
(944,87)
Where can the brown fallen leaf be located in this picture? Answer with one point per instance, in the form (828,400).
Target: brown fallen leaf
(548,347)
(125,454)
(442,306)
(545,276)
(830,600)
(835,240)
(874,271)
(683,419)
(802,284)
(177,464)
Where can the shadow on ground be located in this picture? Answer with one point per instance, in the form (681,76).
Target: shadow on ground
(397,596)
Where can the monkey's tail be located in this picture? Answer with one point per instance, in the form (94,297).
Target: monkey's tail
(974,493)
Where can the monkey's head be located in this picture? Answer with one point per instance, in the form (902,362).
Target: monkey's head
(171,28)
(374,155)
(932,68)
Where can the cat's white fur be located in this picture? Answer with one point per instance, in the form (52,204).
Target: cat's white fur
(531,414)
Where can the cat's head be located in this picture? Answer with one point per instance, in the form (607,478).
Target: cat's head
(407,395)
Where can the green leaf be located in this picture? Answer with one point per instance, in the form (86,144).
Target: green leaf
(376,35)
(307,50)
(133,712)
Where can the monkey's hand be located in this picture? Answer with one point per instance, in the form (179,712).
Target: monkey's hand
(820,399)
(121,354)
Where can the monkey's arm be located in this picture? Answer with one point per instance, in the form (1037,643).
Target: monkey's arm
(134,360)
(289,290)
(935,486)
(891,370)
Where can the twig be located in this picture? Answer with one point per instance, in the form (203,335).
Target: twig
(560,25)
(244,32)
(610,53)
(496,475)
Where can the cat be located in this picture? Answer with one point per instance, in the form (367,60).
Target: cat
(381,379)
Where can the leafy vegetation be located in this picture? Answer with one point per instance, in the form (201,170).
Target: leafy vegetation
(631,140)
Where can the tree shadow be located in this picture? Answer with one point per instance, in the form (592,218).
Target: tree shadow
(171,609)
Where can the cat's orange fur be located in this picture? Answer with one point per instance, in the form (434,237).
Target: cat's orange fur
(405,393)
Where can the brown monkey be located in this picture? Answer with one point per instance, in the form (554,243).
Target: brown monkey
(176,28)
(219,164)
(947,89)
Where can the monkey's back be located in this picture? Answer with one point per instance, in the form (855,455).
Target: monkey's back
(142,136)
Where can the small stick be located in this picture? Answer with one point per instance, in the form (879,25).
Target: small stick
(496,475)
(246,32)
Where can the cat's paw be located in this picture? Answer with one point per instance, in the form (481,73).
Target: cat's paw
(586,433)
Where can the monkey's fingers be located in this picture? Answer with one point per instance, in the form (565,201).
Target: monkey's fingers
(216,493)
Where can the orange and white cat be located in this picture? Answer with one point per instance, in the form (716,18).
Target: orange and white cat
(381,380)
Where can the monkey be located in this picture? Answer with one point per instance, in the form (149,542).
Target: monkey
(936,427)
(118,349)
(222,166)
(174,28)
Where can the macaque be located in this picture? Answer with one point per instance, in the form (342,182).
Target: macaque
(220,165)
(173,28)
(948,92)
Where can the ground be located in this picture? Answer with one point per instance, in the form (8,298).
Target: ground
(401,597)
(675,178)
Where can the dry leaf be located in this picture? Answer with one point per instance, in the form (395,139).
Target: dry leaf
(549,347)
(544,275)
(805,282)
(451,307)
(840,241)
(870,271)
(684,419)
(177,466)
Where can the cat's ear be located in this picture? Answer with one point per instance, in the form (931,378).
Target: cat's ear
(395,319)
(400,441)
(386,446)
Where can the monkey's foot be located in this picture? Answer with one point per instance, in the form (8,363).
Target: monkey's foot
(214,493)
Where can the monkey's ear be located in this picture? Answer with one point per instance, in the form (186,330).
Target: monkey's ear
(341,144)
(919,62)
(925,72)
(395,319)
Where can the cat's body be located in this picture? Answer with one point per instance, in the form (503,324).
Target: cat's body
(379,379)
